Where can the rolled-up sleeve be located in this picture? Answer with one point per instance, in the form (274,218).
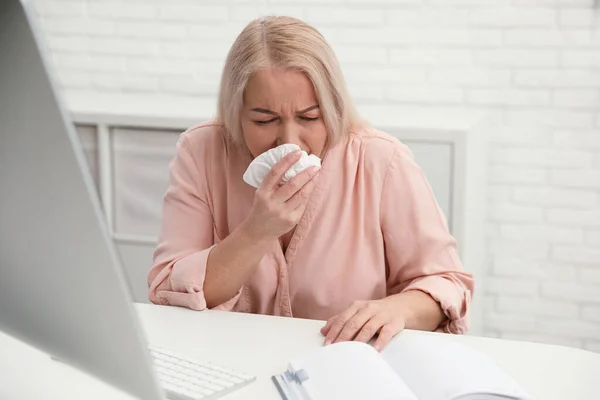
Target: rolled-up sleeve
(421,254)
(186,237)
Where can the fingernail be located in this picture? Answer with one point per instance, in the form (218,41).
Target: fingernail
(327,342)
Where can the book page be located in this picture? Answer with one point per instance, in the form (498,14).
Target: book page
(349,370)
(437,368)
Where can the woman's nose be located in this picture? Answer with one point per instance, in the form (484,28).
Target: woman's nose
(289,134)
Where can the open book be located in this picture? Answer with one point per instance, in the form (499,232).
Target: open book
(413,366)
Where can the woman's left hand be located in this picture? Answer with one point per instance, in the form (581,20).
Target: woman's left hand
(363,319)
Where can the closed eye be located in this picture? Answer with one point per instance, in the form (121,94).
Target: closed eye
(265,122)
(309,118)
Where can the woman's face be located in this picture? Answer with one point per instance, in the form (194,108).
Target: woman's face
(280,106)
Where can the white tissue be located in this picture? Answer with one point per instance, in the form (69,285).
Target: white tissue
(261,165)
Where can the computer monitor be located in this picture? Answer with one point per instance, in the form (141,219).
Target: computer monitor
(62,288)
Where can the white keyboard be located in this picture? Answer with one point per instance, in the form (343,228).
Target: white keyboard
(187,379)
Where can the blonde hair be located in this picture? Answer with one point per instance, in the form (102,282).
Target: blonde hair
(288,43)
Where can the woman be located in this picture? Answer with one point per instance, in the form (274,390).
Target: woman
(360,243)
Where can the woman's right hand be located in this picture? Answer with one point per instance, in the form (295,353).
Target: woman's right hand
(277,209)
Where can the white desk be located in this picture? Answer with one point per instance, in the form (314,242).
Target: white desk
(263,345)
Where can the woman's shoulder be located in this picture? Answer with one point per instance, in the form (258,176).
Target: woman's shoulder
(378,147)
(206,137)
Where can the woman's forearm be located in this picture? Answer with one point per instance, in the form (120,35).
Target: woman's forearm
(231,262)
(420,310)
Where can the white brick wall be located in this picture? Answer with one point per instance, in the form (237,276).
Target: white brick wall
(533,64)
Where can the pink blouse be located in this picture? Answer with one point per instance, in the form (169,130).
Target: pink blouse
(372,228)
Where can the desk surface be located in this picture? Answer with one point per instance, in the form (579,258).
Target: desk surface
(263,345)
